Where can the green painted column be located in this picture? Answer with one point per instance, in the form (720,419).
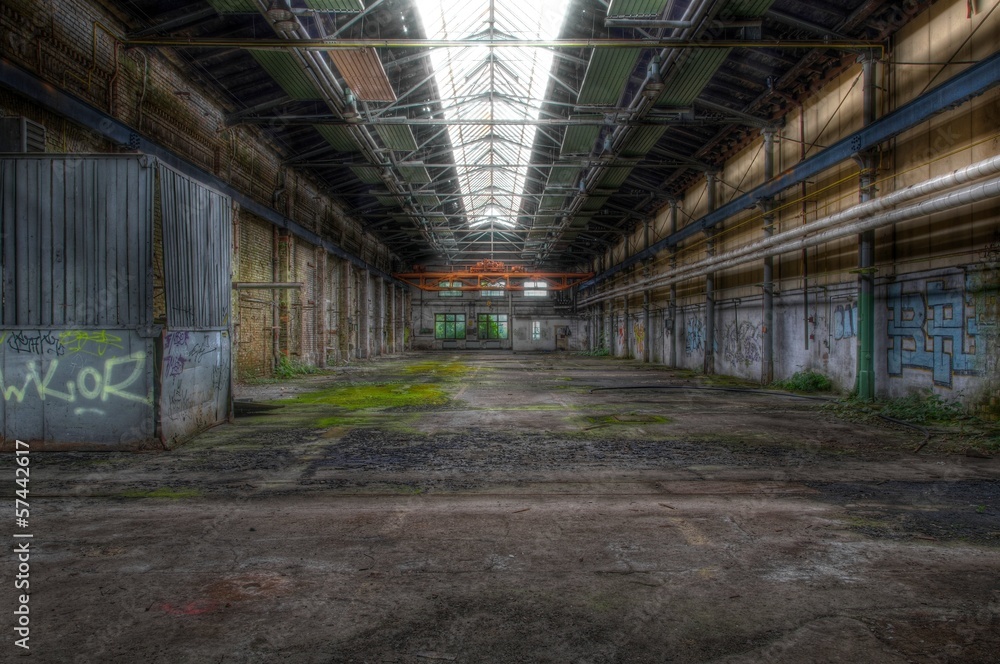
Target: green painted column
(866,248)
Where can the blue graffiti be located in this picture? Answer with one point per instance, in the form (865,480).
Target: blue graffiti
(935,330)
(694,335)
(845,318)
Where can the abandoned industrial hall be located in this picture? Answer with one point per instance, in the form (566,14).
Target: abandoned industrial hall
(578,331)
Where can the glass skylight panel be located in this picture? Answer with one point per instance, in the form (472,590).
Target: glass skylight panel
(482,85)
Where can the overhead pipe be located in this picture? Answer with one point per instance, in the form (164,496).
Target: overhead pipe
(764,247)
(336,43)
(971,82)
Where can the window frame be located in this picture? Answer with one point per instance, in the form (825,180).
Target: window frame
(485,330)
(536,289)
(455,322)
(450,284)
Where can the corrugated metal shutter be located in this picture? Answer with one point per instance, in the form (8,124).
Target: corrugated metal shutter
(196,252)
(76,246)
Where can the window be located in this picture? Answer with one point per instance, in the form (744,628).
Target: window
(449,326)
(535,289)
(450,293)
(492,326)
(496,288)
(536,330)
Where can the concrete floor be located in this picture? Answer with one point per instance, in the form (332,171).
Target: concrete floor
(491,508)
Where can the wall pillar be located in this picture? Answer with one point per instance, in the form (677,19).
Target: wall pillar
(767,323)
(673,287)
(866,245)
(709,362)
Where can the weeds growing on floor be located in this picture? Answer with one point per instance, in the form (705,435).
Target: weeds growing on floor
(805,381)
(292,368)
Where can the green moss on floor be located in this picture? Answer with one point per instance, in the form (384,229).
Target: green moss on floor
(374,396)
(439,370)
(628,419)
(162,492)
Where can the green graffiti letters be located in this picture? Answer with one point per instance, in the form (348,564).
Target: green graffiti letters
(91,383)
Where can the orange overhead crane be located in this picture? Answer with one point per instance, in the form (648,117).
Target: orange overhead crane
(490,275)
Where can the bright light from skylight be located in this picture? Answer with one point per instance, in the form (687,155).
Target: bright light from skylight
(492,84)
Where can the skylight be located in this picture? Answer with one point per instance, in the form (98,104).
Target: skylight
(486,84)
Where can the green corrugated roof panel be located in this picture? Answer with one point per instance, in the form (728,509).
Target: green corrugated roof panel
(416,174)
(283,69)
(386,200)
(625,8)
(552,202)
(594,203)
(747,8)
(642,140)
(607,74)
(614,176)
(345,6)
(688,80)
(368,174)
(563,176)
(580,138)
(398,137)
(428,200)
(338,137)
(234,6)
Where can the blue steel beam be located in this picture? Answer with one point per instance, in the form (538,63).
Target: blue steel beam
(970,83)
(62,103)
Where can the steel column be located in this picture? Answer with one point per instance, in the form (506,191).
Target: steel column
(709,359)
(673,288)
(866,247)
(767,325)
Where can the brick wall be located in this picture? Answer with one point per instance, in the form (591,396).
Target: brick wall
(253,311)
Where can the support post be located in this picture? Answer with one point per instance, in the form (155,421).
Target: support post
(767,324)
(673,287)
(646,298)
(709,361)
(866,245)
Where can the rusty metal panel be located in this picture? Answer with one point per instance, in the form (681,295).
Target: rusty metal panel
(197,228)
(364,74)
(75,241)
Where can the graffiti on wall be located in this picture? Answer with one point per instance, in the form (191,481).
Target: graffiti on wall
(621,337)
(845,321)
(121,377)
(694,336)
(639,333)
(936,330)
(741,343)
(180,348)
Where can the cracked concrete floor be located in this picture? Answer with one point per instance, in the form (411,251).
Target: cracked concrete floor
(492,508)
